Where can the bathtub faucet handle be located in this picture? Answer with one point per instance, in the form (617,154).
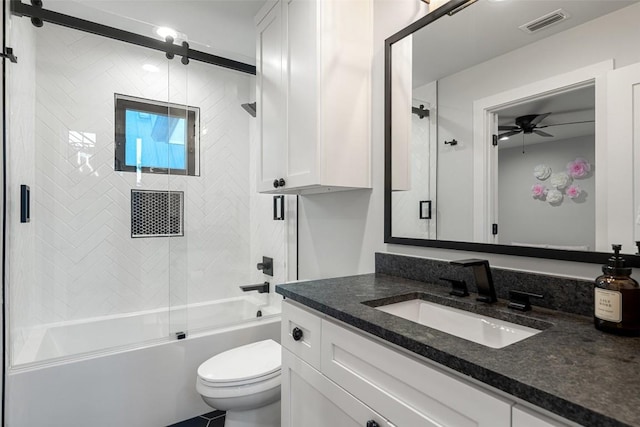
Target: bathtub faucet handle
(266,266)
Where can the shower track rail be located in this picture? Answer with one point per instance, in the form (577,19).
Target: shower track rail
(40,15)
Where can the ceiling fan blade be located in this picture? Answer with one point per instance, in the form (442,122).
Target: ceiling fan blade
(542,133)
(508,134)
(508,128)
(539,118)
(568,123)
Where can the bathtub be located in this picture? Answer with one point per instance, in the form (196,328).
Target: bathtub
(116,371)
(64,340)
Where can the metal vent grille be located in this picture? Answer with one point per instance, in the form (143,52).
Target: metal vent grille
(157,213)
(544,21)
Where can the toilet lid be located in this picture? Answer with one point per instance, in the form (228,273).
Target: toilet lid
(240,364)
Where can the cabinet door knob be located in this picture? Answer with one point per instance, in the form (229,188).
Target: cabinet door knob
(372,423)
(281,182)
(276,184)
(296,334)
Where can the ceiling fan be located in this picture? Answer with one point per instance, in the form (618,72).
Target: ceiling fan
(529,124)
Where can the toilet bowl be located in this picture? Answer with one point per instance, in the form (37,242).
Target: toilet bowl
(244,382)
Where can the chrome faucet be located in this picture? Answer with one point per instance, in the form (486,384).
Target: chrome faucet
(482,277)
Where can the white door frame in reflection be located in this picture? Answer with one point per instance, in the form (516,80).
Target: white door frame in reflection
(485,163)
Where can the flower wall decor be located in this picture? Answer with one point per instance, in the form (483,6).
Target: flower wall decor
(542,172)
(561,183)
(554,196)
(538,191)
(573,191)
(579,168)
(560,180)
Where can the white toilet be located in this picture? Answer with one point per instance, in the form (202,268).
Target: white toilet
(245,382)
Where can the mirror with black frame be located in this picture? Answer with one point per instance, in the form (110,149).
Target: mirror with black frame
(510,126)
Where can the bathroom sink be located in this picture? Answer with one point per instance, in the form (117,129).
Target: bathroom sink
(474,327)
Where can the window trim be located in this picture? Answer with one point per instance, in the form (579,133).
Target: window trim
(122,103)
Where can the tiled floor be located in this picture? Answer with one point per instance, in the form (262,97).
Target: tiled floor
(212,419)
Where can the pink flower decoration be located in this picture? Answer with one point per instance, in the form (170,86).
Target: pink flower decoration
(573,191)
(538,191)
(579,168)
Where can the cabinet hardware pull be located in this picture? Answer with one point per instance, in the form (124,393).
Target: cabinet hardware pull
(296,334)
(279,183)
(372,423)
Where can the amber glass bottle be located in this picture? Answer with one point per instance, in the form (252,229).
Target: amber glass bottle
(617,298)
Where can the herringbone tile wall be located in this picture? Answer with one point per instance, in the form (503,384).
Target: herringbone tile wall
(76,259)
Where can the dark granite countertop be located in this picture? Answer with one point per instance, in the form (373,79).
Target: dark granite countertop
(570,368)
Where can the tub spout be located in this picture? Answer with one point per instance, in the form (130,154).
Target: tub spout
(261,288)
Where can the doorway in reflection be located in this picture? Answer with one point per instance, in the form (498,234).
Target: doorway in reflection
(546,172)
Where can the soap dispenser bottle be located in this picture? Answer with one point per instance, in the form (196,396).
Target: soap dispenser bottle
(617,298)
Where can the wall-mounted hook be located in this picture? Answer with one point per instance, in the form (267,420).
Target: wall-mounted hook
(452,142)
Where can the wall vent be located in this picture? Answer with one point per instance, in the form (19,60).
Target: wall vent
(545,21)
(157,213)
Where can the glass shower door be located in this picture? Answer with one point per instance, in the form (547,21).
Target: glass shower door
(81,277)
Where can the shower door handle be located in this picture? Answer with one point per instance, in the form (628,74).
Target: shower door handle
(25,203)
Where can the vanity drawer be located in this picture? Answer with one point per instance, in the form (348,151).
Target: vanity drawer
(301,333)
(405,391)
(526,417)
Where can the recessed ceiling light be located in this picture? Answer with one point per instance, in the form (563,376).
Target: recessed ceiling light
(150,68)
(166,31)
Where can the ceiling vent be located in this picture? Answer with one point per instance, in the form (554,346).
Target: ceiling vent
(544,21)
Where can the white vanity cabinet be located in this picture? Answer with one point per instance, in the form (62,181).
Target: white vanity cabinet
(356,372)
(312,400)
(406,391)
(525,417)
(335,376)
(313,95)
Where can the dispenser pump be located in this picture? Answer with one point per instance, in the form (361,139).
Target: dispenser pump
(617,298)
(616,266)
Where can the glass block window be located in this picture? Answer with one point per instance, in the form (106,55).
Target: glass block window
(157,213)
(156,137)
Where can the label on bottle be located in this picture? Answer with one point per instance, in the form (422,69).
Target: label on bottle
(608,305)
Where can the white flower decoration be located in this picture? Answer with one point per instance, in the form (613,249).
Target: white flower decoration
(542,172)
(560,180)
(554,196)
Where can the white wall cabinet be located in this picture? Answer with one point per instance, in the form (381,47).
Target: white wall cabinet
(313,95)
(359,379)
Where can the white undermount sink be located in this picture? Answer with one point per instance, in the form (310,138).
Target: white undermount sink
(474,327)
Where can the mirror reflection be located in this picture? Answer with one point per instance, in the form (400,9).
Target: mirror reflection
(508,125)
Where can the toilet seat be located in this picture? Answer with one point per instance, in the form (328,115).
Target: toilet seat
(249,364)
(247,381)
